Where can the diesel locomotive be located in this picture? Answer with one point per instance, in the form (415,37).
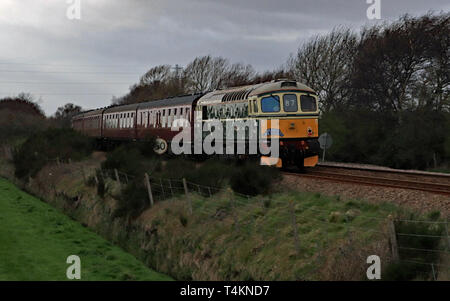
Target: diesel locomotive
(282,109)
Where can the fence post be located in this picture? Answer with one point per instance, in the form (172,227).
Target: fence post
(170,187)
(294,226)
(83,174)
(187,195)
(116,172)
(434,273)
(149,189)
(57,161)
(448,237)
(233,208)
(162,188)
(101,173)
(393,238)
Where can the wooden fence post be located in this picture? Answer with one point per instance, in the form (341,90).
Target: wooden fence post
(116,172)
(187,195)
(233,208)
(393,239)
(96,178)
(170,187)
(83,174)
(448,237)
(294,226)
(149,189)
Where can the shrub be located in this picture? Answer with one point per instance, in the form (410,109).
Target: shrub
(130,159)
(126,158)
(213,173)
(253,179)
(133,200)
(36,151)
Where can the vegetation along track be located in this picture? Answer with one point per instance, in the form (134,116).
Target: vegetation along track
(427,182)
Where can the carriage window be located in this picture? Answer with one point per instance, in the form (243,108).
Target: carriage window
(270,104)
(308,103)
(175,112)
(164,113)
(290,103)
(255,106)
(181,111)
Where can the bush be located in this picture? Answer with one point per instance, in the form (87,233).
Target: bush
(133,200)
(213,173)
(130,159)
(253,179)
(38,150)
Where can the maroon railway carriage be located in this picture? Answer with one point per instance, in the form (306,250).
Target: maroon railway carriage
(137,121)
(89,123)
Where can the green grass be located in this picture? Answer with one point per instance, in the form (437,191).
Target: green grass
(36,239)
(256,240)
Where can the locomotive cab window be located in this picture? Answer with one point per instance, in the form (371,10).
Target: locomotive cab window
(290,103)
(308,103)
(270,104)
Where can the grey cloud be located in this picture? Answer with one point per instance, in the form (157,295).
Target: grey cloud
(133,35)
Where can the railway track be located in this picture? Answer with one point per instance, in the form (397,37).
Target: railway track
(438,184)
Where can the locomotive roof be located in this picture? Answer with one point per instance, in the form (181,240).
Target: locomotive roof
(244,92)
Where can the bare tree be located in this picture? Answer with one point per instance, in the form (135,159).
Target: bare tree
(64,114)
(207,73)
(156,74)
(324,63)
(403,65)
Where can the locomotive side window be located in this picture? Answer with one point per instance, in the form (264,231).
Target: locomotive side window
(308,103)
(255,107)
(290,103)
(270,104)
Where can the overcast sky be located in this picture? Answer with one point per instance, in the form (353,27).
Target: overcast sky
(88,61)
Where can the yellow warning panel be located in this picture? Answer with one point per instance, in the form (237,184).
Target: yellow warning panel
(311,161)
(269,161)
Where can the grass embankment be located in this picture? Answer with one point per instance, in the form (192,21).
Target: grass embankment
(254,239)
(35,241)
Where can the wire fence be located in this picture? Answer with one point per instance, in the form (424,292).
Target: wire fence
(430,248)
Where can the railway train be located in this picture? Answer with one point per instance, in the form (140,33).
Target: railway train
(293,105)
